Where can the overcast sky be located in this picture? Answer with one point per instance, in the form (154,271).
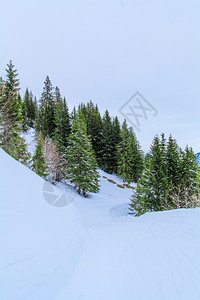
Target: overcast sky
(106,51)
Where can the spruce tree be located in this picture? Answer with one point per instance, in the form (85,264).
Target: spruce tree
(116,138)
(136,157)
(189,170)
(46,112)
(130,157)
(142,195)
(123,162)
(81,166)
(94,127)
(153,188)
(39,159)
(62,123)
(11,92)
(11,117)
(108,147)
(173,160)
(170,179)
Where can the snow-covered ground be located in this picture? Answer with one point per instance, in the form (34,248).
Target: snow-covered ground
(30,139)
(91,249)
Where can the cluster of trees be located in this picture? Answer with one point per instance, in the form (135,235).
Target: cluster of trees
(170,178)
(73,145)
(11,119)
(69,145)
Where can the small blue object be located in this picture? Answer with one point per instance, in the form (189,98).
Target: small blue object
(198,158)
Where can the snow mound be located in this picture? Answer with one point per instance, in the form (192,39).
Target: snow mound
(121,210)
(40,243)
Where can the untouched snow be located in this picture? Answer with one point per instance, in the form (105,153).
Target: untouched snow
(91,249)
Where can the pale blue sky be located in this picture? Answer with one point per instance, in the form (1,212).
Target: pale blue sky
(106,51)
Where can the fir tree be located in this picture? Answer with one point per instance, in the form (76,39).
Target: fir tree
(46,112)
(11,117)
(108,147)
(123,162)
(39,159)
(11,92)
(81,163)
(116,138)
(130,157)
(173,162)
(153,188)
(140,200)
(170,179)
(62,123)
(94,127)
(189,169)
(136,157)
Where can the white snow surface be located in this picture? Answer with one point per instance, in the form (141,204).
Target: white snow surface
(92,249)
(30,139)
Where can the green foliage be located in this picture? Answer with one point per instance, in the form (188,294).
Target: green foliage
(94,127)
(62,122)
(46,112)
(10,117)
(11,92)
(171,176)
(29,110)
(130,161)
(39,159)
(81,163)
(108,145)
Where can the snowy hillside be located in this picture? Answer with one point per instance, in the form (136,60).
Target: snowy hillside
(91,249)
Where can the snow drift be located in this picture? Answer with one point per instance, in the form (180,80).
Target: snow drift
(40,244)
(91,249)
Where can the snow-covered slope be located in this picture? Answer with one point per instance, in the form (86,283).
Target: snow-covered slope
(91,249)
(39,243)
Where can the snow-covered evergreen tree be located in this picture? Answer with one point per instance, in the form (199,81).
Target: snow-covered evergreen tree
(28,110)
(170,179)
(81,165)
(94,127)
(11,117)
(130,157)
(123,162)
(108,147)
(46,113)
(39,159)
(62,122)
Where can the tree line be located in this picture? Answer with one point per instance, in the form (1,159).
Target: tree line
(73,145)
(69,145)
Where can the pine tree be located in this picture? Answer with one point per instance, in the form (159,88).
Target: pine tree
(62,123)
(130,157)
(170,179)
(123,162)
(11,117)
(140,200)
(116,138)
(136,157)
(94,127)
(81,163)
(173,162)
(108,147)
(153,188)
(46,112)
(39,159)
(190,171)
(11,92)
